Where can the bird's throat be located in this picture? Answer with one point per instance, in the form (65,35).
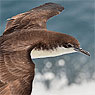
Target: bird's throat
(50,53)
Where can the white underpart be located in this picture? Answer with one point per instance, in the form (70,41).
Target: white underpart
(51,53)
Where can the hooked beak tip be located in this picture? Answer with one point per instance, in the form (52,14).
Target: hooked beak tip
(82,51)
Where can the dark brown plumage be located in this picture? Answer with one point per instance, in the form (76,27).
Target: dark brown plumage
(33,19)
(23,33)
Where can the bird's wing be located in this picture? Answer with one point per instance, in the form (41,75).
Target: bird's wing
(34,19)
(16,73)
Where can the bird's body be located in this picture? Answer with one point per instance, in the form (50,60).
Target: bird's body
(26,34)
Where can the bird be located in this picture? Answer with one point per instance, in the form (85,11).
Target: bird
(25,38)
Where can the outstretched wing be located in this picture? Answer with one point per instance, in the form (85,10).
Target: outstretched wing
(35,18)
(16,73)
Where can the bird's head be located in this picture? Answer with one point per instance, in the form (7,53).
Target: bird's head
(72,43)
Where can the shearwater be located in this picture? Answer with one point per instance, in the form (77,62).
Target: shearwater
(26,36)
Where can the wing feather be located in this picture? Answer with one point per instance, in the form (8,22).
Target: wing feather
(33,19)
(16,73)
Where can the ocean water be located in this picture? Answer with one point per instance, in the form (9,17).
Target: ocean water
(77,20)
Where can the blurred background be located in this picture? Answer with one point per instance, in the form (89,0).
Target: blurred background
(72,74)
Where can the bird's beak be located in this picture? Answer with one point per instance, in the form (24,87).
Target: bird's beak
(82,51)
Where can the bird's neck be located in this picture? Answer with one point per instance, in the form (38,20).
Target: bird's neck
(35,53)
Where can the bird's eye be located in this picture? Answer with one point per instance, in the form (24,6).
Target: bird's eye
(68,45)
